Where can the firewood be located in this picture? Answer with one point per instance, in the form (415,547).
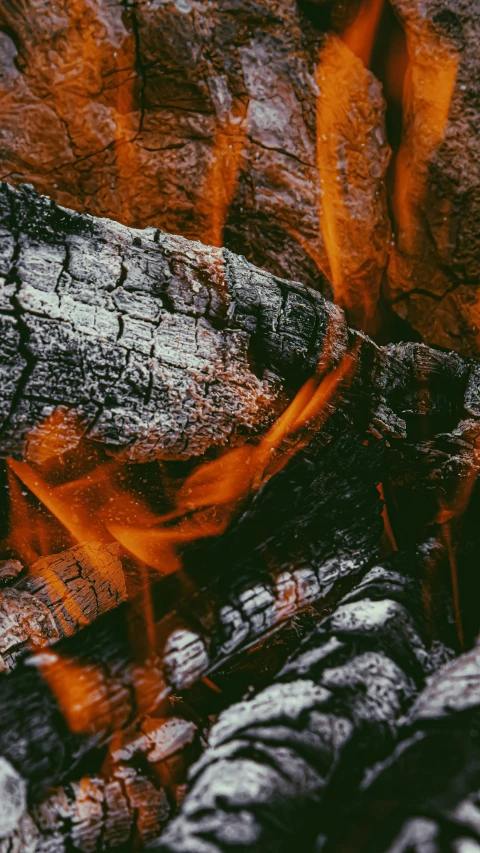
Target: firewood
(141,121)
(180,335)
(435,260)
(312,526)
(425,795)
(121,805)
(273,757)
(60,594)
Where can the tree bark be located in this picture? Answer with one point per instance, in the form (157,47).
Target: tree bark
(435,263)
(333,710)
(404,415)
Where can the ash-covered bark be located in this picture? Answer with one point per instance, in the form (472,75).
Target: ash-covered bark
(273,758)
(125,804)
(59,594)
(161,347)
(425,796)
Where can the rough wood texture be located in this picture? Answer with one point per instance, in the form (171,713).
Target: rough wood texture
(271,758)
(435,265)
(425,796)
(57,596)
(165,114)
(200,118)
(121,806)
(316,523)
(144,336)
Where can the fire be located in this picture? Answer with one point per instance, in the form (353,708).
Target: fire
(97,505)
(427,94)
(360,34)
(221,179)
(352,206)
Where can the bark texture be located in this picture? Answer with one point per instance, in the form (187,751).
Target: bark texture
(142,336)
(59,595)
(434,269)
(425,796)
(271,758)
(198,118)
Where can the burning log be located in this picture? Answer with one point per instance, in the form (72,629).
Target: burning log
(59,594)
(285,521)
(179,335)
(434,265)
(425,795)
(334,707)
(229,153)
(306,512)
(121,805)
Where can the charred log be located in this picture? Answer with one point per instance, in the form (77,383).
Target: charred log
(434,267)
(272,758)
(311,525)
(425,795)
(57,596)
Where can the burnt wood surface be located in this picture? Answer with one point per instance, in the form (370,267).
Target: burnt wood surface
(404,415)
(424,796)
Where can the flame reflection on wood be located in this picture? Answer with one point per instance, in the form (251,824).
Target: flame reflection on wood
(98,506)
(427,94)
(360,34)
(352,159)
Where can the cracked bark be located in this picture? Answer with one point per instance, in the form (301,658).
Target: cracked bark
(273,759)
(425,795)
(407,416)
(60,594)
(201,119)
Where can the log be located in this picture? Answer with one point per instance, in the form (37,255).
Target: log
(60,594)
(121,805)
(425,795)
(272,758)
(143,121)
(434,267)
(180,335)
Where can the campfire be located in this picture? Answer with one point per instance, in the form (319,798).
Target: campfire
(240,426)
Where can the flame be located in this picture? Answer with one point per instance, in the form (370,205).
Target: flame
(353,223)
(359,36)
(97,506)
(427,94)
(387,527)
(449,512)
(222,176)
(80,691)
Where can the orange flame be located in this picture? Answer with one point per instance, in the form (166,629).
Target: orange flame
(360,34)
(353,219)
(97,506)
(427,94)
(448,512)
(222,176)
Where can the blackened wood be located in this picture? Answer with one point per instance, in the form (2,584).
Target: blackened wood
(426,794)
(161,347)
(60,594)
(272,758)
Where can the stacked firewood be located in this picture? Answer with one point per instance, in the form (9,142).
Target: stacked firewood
(237,587)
